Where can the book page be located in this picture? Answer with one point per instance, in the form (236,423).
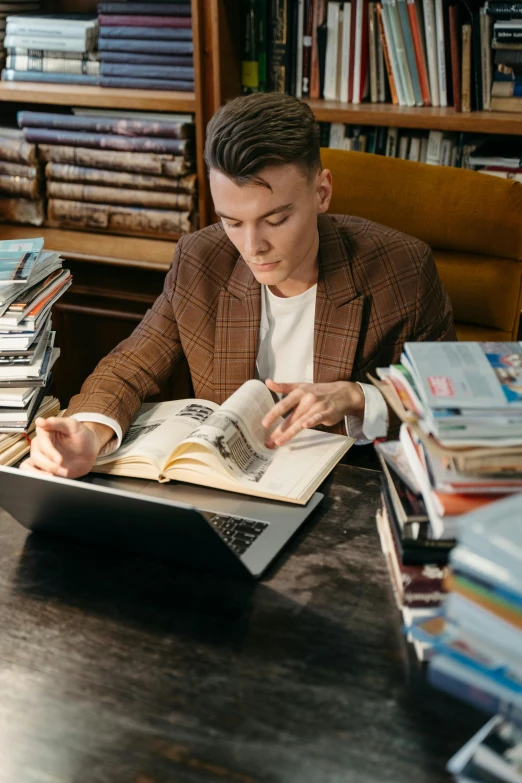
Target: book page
(157,430)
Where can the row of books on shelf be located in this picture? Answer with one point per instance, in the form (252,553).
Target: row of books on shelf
(409,52)
(138,45)
(498,156)
(102,170)
(450,531)
(31,282)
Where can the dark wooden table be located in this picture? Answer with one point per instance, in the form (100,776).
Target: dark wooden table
(120,669)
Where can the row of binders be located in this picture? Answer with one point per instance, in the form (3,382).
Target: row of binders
(31,281)
(450,528)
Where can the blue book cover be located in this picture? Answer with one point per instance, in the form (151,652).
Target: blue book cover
(144,46)
(147,33)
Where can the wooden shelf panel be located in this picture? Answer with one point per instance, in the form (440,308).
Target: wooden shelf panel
(101,248)
(101,97)
(428,118)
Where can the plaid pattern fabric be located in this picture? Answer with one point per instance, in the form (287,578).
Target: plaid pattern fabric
(377,288)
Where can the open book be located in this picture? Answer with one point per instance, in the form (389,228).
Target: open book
(222,446)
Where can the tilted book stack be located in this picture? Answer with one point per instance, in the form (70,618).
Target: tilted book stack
(14,7)
(460,446)
(122,172)
(146,45)
(31,281)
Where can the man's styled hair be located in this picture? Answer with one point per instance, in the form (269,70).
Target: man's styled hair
(259,130)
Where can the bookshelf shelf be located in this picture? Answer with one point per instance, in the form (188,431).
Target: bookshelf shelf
(100,97)
(428,118)
(99,248)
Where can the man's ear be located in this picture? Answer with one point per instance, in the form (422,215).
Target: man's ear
(324,191)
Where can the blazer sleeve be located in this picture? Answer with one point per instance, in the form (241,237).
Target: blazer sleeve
(138,366)
(434,314)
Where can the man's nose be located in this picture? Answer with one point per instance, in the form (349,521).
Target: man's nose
(255,243)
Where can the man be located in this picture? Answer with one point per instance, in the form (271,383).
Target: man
(278,290)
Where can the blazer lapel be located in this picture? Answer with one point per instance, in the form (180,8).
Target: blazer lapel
(237,331)
(338,309)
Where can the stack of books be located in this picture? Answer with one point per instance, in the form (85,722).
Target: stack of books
(493,755)
(20,179)
(506,92)
(31,281)
(460,444)
(124,172)
(476,640)
(146,45)
(51,48)
(19,7)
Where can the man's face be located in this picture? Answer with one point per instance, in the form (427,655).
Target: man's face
(274,229)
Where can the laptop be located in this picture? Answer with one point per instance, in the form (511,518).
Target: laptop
(193,526)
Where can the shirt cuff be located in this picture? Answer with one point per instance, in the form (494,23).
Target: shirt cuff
(375,422)
(99,418)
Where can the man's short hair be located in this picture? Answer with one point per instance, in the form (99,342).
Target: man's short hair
(259,130)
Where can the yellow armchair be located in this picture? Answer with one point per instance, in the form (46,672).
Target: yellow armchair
(473,223)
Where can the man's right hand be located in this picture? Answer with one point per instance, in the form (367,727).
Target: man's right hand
(66,447)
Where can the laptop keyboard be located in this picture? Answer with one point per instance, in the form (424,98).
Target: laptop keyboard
(238,533)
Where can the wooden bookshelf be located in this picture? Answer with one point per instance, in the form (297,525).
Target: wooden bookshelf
(100,97)
(153,254)
(416,117)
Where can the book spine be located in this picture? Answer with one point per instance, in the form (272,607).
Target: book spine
(17,169)
(410,51)
(141,163)
(51,29)
(504,10)
(150,72)
(279,49)
(299,43)
(262,42)
(485,59)
(441,53)
(307,47)
(51,65)
(64,172)
(19,186)
(508,34)
(9,75)
(431,50)
(420,58)
(123,127)
(124,196)
(130,220)
(21,210)
(506,104)
(144,46)
(358,53)
(345,53)
(319,18)
(455,57)
(249,59)
(41,54)
(121,20)
(17,151)
(476,57)
(156,9)
(147,33)
(390,65)
(132,83)
(102,141)
(506,89)
(51,44)
(382,78)
(332,42)
(466,68)
(129,58)
(372,35)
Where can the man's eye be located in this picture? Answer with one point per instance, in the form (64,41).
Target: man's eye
(279,223)
(231,225)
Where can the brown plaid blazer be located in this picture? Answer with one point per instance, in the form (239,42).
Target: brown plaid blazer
(377,288)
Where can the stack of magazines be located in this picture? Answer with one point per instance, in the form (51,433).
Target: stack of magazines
(477,639)
(31,281)
(459,450)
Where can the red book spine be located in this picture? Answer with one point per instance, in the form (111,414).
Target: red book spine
(455,56)
(419,53)
(318,17)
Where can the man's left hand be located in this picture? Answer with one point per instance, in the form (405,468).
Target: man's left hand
(311,404)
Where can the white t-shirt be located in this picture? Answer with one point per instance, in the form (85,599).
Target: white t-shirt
(286,354)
